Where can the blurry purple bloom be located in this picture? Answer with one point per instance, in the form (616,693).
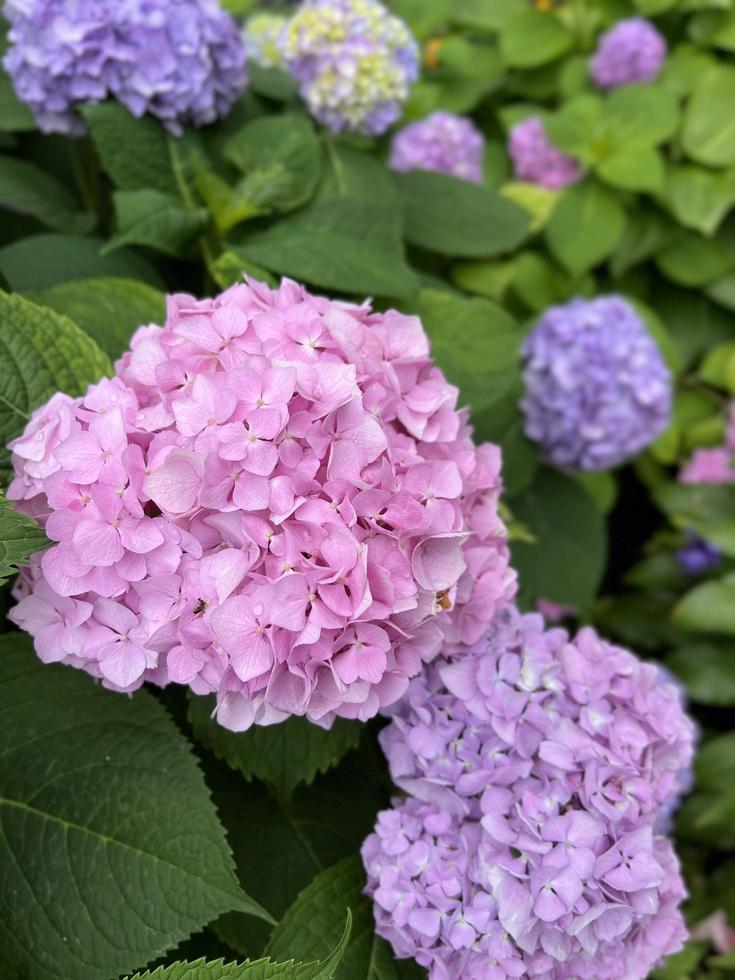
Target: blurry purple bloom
(631,51)
(443,142)
(537,160)
(597,390)
(180,60)
(698,555)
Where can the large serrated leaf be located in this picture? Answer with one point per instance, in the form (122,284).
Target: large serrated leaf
(263,969)
(313,924)
(111,845)
(28,189)
(20,537)
(108,309)
(134,152)
(283,755)
(349,245)
(40,353)
(456,217)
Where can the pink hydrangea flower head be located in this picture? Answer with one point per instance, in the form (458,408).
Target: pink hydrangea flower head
(631,51)
(560,759)
(536,160)
(713,466)
(443,142)
(275,500)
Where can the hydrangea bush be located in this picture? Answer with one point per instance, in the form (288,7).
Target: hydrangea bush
(309,550)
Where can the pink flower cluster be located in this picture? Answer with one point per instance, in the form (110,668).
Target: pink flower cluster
(537,160)
(713,466)
(539,771)
(274,499)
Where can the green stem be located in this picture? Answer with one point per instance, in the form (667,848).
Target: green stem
(335,162)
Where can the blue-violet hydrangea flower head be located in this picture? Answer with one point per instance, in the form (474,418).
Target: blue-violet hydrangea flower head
(442,142)
(354,62)
(180,60)
(632,51)
(597,390)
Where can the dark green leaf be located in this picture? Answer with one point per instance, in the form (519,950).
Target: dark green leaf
(709,607)
(314,921)
(707,509)
(708,672)
(28,189)
(456,217)
(134,152)
(41,261)
(148,217)
(283,755)
(475,342)
(352,246)
(566,561)
(692,260)
(109,310)
(502,424)
(271,82)
(353,174)
(111,846)
(40,353)
(14,115)
(281,159)
(585,227)
(20,537)
(533,38)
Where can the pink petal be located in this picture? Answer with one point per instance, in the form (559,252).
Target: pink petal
(174,485)
(97,544)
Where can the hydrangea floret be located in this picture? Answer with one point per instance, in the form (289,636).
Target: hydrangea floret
(536,160)
(354,61)
(262,36)
(180,60)
(631,51)
(442,142)
(275,499)
(597,390)
(540,769)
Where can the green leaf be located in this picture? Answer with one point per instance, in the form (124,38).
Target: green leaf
(693,260)
(281,159)
(134,152)
(502,424)
(148,217)
(265,969)
(109,310)
(283,755)
(646,232)
(351,246)
(575,127)
(538,201)
(585,227)
(715,28)
(708,135)
(111,846)
(279,845)
(423,18)
(709,510)
(456,217)
(708,672)
(271,82)
(314,922)
(26,188)
(40,353)
(633,167)
(645,114)
(20,537)
(709,607)
(486,15)
(475,342)
(14,115)
(533,38)
(699,198)
(40,261)
(353,174)
(567,559)
(714,763)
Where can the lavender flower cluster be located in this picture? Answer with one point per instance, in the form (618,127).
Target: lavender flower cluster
(443,142)
(597,390)
(631,51)
(354,63)
(537,160)
(541,770)
(180,60)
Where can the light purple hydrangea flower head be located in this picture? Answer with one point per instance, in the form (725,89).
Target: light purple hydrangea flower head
(597,390)
(354,62)
(443,142)
(540,769)
(631,51)
(275,500)
(537,160)
(180,60)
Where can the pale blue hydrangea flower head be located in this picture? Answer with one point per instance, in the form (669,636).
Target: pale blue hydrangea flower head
(180,60)
(597,390)
(354,62)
